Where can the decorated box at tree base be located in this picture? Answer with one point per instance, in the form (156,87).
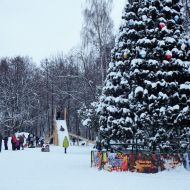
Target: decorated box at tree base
(142,163)
(170,161)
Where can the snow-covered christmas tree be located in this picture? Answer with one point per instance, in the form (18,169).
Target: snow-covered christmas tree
(147,89)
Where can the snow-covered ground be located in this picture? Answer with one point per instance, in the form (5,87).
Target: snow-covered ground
(31,169)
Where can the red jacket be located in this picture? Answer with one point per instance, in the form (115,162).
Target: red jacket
(13,139)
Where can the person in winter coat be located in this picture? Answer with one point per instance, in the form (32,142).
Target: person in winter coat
(6,138)
(65,144)
(37,141)
(13,141)
(1,138)
(32,140)
(41,141)
(21,140)
(28,140)
(18,144)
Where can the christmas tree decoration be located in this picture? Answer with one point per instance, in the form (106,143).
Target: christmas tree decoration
(144,17)
(171,24)
(168,55)
(131,22)
(142,53)
(176,18)
(162,25)
(126,54)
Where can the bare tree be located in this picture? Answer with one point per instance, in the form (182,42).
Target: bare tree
(97,30)
(18,100)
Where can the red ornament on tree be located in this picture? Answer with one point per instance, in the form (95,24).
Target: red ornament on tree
(168,55)
(162,25)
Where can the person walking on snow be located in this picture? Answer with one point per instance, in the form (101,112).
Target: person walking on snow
(65,144)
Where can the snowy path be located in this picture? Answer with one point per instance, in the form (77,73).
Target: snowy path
(33,170)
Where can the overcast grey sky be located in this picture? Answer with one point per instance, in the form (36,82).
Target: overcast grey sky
(41,28)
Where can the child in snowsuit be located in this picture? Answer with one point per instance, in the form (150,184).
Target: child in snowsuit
(65,144)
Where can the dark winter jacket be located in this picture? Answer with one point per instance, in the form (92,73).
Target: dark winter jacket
(6,139)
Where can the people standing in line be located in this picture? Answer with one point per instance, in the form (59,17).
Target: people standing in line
(6,138)
(13,141)
(1,138)
(65,144)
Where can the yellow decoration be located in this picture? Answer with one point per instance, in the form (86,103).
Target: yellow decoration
(125,55)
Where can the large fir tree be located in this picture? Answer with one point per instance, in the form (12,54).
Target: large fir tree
(147,89)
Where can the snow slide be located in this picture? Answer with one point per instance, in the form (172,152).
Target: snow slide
(62,131)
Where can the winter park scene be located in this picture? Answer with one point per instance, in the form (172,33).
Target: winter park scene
(95,94)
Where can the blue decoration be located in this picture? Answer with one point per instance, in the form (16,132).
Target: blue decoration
(142,53)
(131,22)
(176,18)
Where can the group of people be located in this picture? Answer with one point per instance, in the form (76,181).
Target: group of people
(20,141)
(17,142)
(34,141)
